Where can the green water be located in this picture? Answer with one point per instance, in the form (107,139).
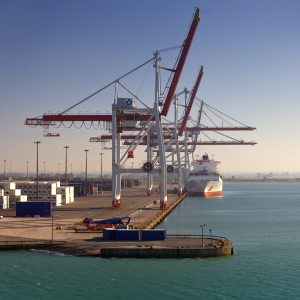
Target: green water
(261,219)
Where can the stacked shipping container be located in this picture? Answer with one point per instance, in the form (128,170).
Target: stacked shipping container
(22,191)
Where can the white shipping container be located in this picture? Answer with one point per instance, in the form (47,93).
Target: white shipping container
(3,205)
(4,199)
(15,192)
(63,190)
(56,203)
(2,192)
(22,198)
(7,185)
(65,200)
(52,198)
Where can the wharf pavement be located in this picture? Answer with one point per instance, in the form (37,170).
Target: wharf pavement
(53,233)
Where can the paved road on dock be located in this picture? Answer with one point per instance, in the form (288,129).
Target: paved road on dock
(97,206)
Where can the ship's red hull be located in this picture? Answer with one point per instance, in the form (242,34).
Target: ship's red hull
(206,194)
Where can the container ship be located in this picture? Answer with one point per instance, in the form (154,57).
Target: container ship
(204,180)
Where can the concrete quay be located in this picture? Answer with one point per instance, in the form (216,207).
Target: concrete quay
(53,234)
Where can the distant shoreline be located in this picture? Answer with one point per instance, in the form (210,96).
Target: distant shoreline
(297,180)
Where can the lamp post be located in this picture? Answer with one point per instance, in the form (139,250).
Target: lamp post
(4,169)
(137,209)
(52,227)
(210,237)
(86,151)
(9,170)
(37,169)
(44,170)
(139,173)
(101,190)
(81,170)
(66,166)
(27,169)
(202,226)
(71,172)
(132,173)
(58,171)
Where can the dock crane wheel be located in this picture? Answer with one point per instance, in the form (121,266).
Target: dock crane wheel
(170,169)
(147,167)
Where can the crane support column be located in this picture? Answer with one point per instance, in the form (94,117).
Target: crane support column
(177,148)
(162,159)
(173,164)
(118,177)
(149,159)
(116,197)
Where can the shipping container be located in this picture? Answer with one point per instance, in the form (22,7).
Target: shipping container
(127,235)
(42,209)
(109,233)
(4,199)
(154,234)
(12,204)
(7,185)
(22,198)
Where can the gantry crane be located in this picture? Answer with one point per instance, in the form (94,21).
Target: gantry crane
(126,115)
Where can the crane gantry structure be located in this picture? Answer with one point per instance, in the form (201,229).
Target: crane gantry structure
(146,125)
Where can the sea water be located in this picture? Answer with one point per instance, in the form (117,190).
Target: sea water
(261,219)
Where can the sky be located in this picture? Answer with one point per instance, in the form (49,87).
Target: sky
(55,53)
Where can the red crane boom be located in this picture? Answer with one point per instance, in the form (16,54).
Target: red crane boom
(184,52)
(191,102)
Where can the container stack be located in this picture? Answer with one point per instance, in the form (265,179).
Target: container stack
(22,191)
(4,202)
(65,194)
(11,193)
(41,192)
(71,194)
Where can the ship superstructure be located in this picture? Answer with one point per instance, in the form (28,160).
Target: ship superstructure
(204,180)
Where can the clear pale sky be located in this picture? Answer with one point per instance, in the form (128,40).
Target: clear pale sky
(55,53)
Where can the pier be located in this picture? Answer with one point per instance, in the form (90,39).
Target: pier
(55,234)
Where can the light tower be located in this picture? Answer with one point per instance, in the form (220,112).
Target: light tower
(85,190)
(44,170)
(58,171)
(66,166)
(4,169)
(37,168)
(101,190)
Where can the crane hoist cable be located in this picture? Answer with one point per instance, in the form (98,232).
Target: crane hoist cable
(226,115)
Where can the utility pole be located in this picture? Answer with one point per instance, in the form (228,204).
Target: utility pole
(101,190)
(4,169)
(132,173)
(58,171)
(44,170)
(86,151)
(202,226)
(37,169)
(66,166)
(27,169)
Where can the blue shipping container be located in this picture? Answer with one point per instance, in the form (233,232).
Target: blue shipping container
(109,233)
(25,209)
(154,235)
(127,235)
